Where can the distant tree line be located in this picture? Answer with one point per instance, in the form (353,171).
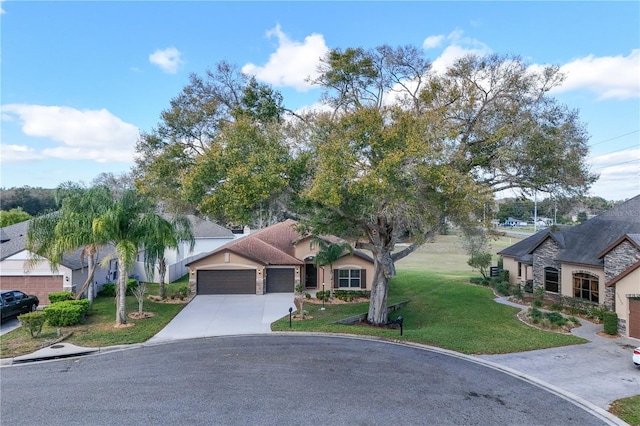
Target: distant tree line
(18,204)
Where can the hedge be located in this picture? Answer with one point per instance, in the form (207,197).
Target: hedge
(67,312)
(60,296)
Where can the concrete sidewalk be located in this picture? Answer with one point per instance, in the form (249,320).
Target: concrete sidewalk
(223,315)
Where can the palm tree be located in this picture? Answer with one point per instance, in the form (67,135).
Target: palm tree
(330,252)
(130,224)
(53,235)
(154,250)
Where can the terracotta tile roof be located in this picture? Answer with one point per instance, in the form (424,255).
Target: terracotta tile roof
(274,245)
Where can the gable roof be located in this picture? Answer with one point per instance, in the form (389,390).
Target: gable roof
(583,243)
(273,245)
(634,239)
(14,241)
(202,228)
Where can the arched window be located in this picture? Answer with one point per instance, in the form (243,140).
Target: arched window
(551,279)
(585,286)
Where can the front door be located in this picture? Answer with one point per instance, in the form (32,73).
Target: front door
(310,276)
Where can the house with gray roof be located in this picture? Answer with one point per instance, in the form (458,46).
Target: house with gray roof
(40,279)
(597,261)
(208,237)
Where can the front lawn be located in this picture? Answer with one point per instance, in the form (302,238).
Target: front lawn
(444,311)
(98,329)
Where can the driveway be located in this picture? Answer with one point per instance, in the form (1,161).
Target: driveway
(600,371)
(8,325)
(223,315)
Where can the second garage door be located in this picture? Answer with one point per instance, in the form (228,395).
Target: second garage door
(634,318)
(226,282)
(280,280)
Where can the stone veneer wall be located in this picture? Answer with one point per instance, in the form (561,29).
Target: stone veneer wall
(543,257)
(619,259)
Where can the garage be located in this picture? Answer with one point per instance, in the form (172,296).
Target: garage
(226,282)
(38,285)
(280,280)
(634,318)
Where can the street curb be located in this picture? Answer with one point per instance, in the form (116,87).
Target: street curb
(605,416)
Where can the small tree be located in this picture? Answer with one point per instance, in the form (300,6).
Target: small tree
(139,292)
(300,298)
(476,244)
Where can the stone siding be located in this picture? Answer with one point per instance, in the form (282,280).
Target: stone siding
(545,256)
(619,259)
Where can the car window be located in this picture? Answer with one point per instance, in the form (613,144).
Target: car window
(7,298)
(19,295)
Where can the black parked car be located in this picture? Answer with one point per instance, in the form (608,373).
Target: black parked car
(15,302)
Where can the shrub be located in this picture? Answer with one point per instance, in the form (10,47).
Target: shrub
(610,320)
(537,303)
(555,307)
(109,289)
(33,321)
(307,295)
(67,312)
(476,280)
(349,295)
(180,293)
(60,296)
(504,275)
(323,295)
(516,291)
(502,288)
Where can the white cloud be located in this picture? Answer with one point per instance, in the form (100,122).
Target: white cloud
(168,59)
(13,153)
(292,62)
(458,46)
(432,41)
(609,77)
(619,174)
(94,135)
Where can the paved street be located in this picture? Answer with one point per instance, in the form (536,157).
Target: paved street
(279,380)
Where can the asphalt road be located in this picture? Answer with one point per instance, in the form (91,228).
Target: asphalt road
(277,380)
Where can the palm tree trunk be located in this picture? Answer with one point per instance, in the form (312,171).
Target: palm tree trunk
(121,296)
(91,270)
(162,270)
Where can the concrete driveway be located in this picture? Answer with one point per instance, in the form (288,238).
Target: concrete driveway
(223,315)
(600,371)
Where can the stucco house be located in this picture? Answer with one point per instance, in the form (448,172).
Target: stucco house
(17,274)
(598,261)
(208,237)
(275,260)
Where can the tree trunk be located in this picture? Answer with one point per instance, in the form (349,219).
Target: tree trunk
(91,270)
(383,271)
(162,270)
(121,296)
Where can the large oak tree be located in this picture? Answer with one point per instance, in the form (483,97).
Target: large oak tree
(399,151)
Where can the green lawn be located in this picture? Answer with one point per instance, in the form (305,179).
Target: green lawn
(444,311)
(628,409)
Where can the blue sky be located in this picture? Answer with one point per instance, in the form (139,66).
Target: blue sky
(80,80)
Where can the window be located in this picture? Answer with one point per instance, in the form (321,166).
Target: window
(551,279)
(349,278)
(519,269)
(585,286)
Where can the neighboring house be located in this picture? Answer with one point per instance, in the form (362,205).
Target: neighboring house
(17,274)
(208,237)
(275,260)
(598,261)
